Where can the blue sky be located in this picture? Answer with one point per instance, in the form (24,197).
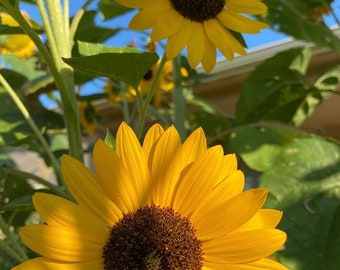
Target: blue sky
(266,36)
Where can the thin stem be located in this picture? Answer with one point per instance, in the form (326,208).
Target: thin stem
(63,77)
(67,92)
(11,237)
(179,99)
(35,178)
(32,124)
(7,248)
(144,108)
(49,33)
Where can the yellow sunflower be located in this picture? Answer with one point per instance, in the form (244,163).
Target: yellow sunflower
(87,117)
(201,26)
(19,44)
(160,205)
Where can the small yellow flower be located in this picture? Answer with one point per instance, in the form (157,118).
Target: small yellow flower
(19,44)
(87,117)
(165,84)
(201,26)
(160,205)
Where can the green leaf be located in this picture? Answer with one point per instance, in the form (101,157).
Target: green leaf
(259,146)
(329,80)
(296,19)
(126,67)
(110,9)
(278,90)
(88,31)
(87,49)
(304,182)
(110,140)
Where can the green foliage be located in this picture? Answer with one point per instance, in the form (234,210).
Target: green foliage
(279,91)
(304,182)
(296,18)
(126,67)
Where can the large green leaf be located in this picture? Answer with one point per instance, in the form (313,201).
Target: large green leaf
(127,67)
(295,18)
(87,49)
(304,182)
(259,146)
(278,90)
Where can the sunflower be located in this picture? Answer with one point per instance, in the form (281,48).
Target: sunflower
(19,44)
(165,84)
(87,117)
(201,26)
(160,205)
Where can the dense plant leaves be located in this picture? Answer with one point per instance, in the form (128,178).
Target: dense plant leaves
(329,80)
(88,31)
(304,182)
(278,90)
(259,146)
(296,18)
(127,67)
(110,9)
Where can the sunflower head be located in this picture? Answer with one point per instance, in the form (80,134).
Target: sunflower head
(87,117)
(162,204)
(19,44)
(200,26)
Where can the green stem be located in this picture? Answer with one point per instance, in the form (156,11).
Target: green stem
(11,237)
(35,178)
(4,246)
(143,108)
(63,76)
(179,99)
(32,124)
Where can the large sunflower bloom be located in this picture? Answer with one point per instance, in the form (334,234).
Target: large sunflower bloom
(19,44)
(201,26)
(159,205)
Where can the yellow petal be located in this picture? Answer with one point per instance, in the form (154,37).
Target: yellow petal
(115,180)
(230,215)
(166,166)
(82,184)
(163,29)
(177,42)
(230,164)
(222,38)
(209,55)
(262,264)
(151,136)
(140,4)
(238,23)
(228,188)
(147,17)
(247,6)
(263,219)
(198,181)
(132,155)
(62,243)
(42,263)
(194,146)
(196,44)
(243,247)
(55,210)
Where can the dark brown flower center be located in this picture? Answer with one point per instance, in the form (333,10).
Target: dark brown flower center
(153,238)
(198,10)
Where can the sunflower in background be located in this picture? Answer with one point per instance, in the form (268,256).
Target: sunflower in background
(87,117)
(162,204)
(165,84)
(200,26)
(19,44)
